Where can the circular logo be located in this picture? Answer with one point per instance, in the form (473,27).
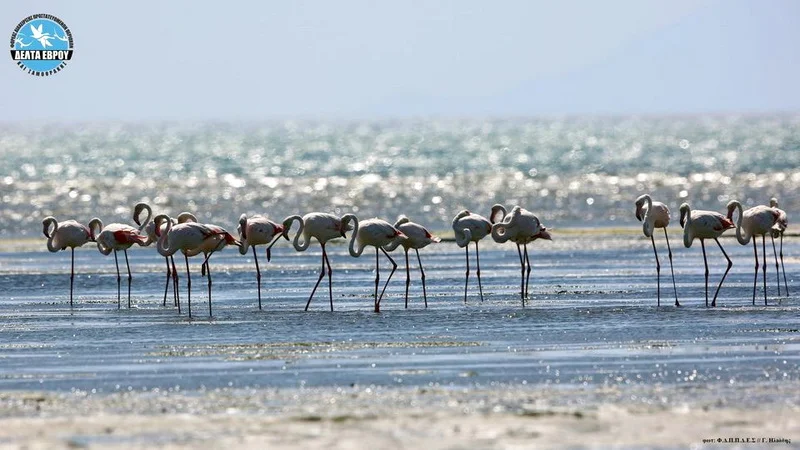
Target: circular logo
(41,45)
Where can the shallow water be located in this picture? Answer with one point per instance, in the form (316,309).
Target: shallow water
(591,321)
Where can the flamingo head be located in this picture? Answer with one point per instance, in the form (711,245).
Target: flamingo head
(158,221)
(344,225)
(137,211)
(95,227)
(280,229)
(732,205)
(230,240)
(684,213)
(47,224)
(242,228)
(432,237)
(544,234)
(186,217)
(641,201)
(773,202)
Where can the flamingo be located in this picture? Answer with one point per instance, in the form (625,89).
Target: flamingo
(258,230)
(68,233)
(218,239)
(521,227)
(191,238)
(323,227)
(656,215)
(777,230)
(376,233)
(115,237)
(417,237)
(704,225)
(469,227)
(756,221)
(150,229)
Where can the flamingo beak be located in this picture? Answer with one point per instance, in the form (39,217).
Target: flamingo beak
(282,230)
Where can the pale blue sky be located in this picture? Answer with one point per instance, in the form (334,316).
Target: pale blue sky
(152,60)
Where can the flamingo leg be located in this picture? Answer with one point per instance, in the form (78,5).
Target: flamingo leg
(424,293)
(175,283)
(408,277)
(755,273)
(258,276)
(269,247)
(169,278)
(208,274)
(130,277)
(466,279)
(119,279)
(764,265)
(394,268)
(777,268)
(321,274)
(783,268)
(188,285)
(528,270)
(728,269)
(377,278)
(658,271)
(522,275)
(478,270)
(71,276)
(671,269)
(330,276)
(705,261)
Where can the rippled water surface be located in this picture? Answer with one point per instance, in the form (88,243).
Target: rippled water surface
(567,170)
(591,320)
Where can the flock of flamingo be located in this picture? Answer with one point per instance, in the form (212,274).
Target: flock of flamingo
(185,234)
(759,220)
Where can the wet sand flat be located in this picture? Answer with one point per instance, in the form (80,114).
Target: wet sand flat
(364,417)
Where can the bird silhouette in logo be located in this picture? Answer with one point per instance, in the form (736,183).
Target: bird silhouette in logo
(63,38)
(21,44)
(43,38)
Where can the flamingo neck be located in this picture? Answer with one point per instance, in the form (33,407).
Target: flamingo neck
(95,227)
(146,221)
(648,224)
(495,210)
(467,236)
(688,236)
(393,245)
(243,235)
(163,245)
(103,248)
(287,223)
(743,238)
(352,247)
(51,236)
(500,233)
(51,244)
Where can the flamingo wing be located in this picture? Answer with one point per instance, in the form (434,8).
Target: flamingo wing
(129,236)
